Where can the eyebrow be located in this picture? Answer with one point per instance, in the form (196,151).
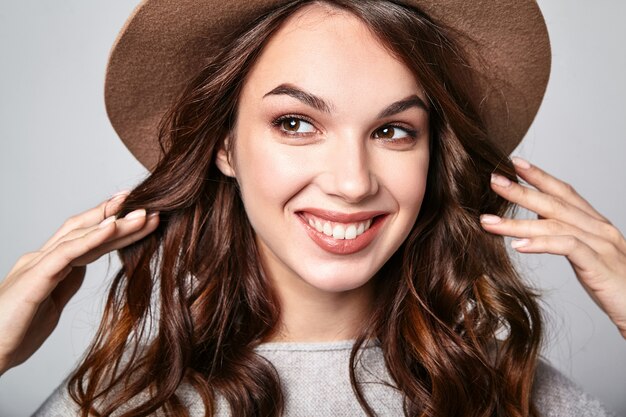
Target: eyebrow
(319,104)
(402,105)
(307,98)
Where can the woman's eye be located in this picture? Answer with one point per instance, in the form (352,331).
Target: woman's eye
(294,125)
(394,133)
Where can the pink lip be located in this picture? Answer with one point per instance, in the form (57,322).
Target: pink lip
(343,246)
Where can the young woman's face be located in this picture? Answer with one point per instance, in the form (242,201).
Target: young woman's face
(331,151)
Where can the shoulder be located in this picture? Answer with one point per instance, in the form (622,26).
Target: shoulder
(61,404)
(556,395)
(58,404)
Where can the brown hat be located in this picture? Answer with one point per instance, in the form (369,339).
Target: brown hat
(165,42)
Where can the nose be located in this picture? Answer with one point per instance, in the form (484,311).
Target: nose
(351,174)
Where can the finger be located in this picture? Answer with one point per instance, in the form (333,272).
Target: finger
(547,206)
(151,223)
(91,216)
(88,218)
(549,184)
(132,222)
(590,269)
(522,228)
(23,261)
(43,276)
(580,254)
(68,286)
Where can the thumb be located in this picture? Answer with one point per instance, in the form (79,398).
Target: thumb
(68,286)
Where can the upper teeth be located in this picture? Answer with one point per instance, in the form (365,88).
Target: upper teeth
(338,230)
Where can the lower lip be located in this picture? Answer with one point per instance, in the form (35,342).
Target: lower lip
(344,246)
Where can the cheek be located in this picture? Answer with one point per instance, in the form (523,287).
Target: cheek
(407,182)
(267,174)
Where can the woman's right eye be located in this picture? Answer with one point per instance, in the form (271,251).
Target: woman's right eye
(294,125)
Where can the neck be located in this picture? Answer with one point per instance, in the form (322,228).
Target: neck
(312,314)
(309,314)
(321,317)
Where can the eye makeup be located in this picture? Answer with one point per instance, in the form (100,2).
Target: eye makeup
(300,126)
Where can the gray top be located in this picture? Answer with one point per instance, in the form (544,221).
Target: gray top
(315,381)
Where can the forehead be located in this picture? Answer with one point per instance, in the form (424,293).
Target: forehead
(326,50)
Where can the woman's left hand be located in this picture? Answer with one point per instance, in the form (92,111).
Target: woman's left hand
(567,225)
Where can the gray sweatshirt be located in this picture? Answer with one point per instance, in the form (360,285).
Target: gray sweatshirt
(315,381)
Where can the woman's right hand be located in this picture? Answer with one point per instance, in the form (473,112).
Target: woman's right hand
(40,284)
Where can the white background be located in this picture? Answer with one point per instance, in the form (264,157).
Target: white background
(59,156)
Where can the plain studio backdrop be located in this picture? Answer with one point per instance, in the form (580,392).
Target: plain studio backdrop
(60,156)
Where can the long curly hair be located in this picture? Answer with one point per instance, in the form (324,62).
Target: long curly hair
(459,330)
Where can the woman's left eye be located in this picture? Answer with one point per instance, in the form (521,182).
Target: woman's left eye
(294,125)
(394,133)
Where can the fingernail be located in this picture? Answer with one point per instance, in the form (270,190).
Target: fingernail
(520,163)
(490,219)
(106,221)
(135,214)
(500,180)
(120,195)
(126,191)
(153,214)
(518,243)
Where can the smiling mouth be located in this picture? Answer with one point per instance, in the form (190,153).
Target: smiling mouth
(338,230)
(354,233)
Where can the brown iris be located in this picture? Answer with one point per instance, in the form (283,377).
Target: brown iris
(291,125)
(387,132)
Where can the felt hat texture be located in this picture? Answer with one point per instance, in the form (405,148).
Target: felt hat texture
(165,42)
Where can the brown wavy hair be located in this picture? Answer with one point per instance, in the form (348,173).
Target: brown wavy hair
(459,331)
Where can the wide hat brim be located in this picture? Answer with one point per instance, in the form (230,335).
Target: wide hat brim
(164,43)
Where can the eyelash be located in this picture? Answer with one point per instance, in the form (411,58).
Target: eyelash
(409,138)
(278,121)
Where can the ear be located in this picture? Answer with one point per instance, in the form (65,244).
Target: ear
(223,160)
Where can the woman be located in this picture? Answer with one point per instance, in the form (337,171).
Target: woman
(423,280)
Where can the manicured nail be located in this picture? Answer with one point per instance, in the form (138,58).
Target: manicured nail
(520,163)
(119,195)
(500,180)
(126,191)
(490,219)
(135,214)
(519,243)
(106,221)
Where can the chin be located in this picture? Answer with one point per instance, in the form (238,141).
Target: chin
(336,280)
